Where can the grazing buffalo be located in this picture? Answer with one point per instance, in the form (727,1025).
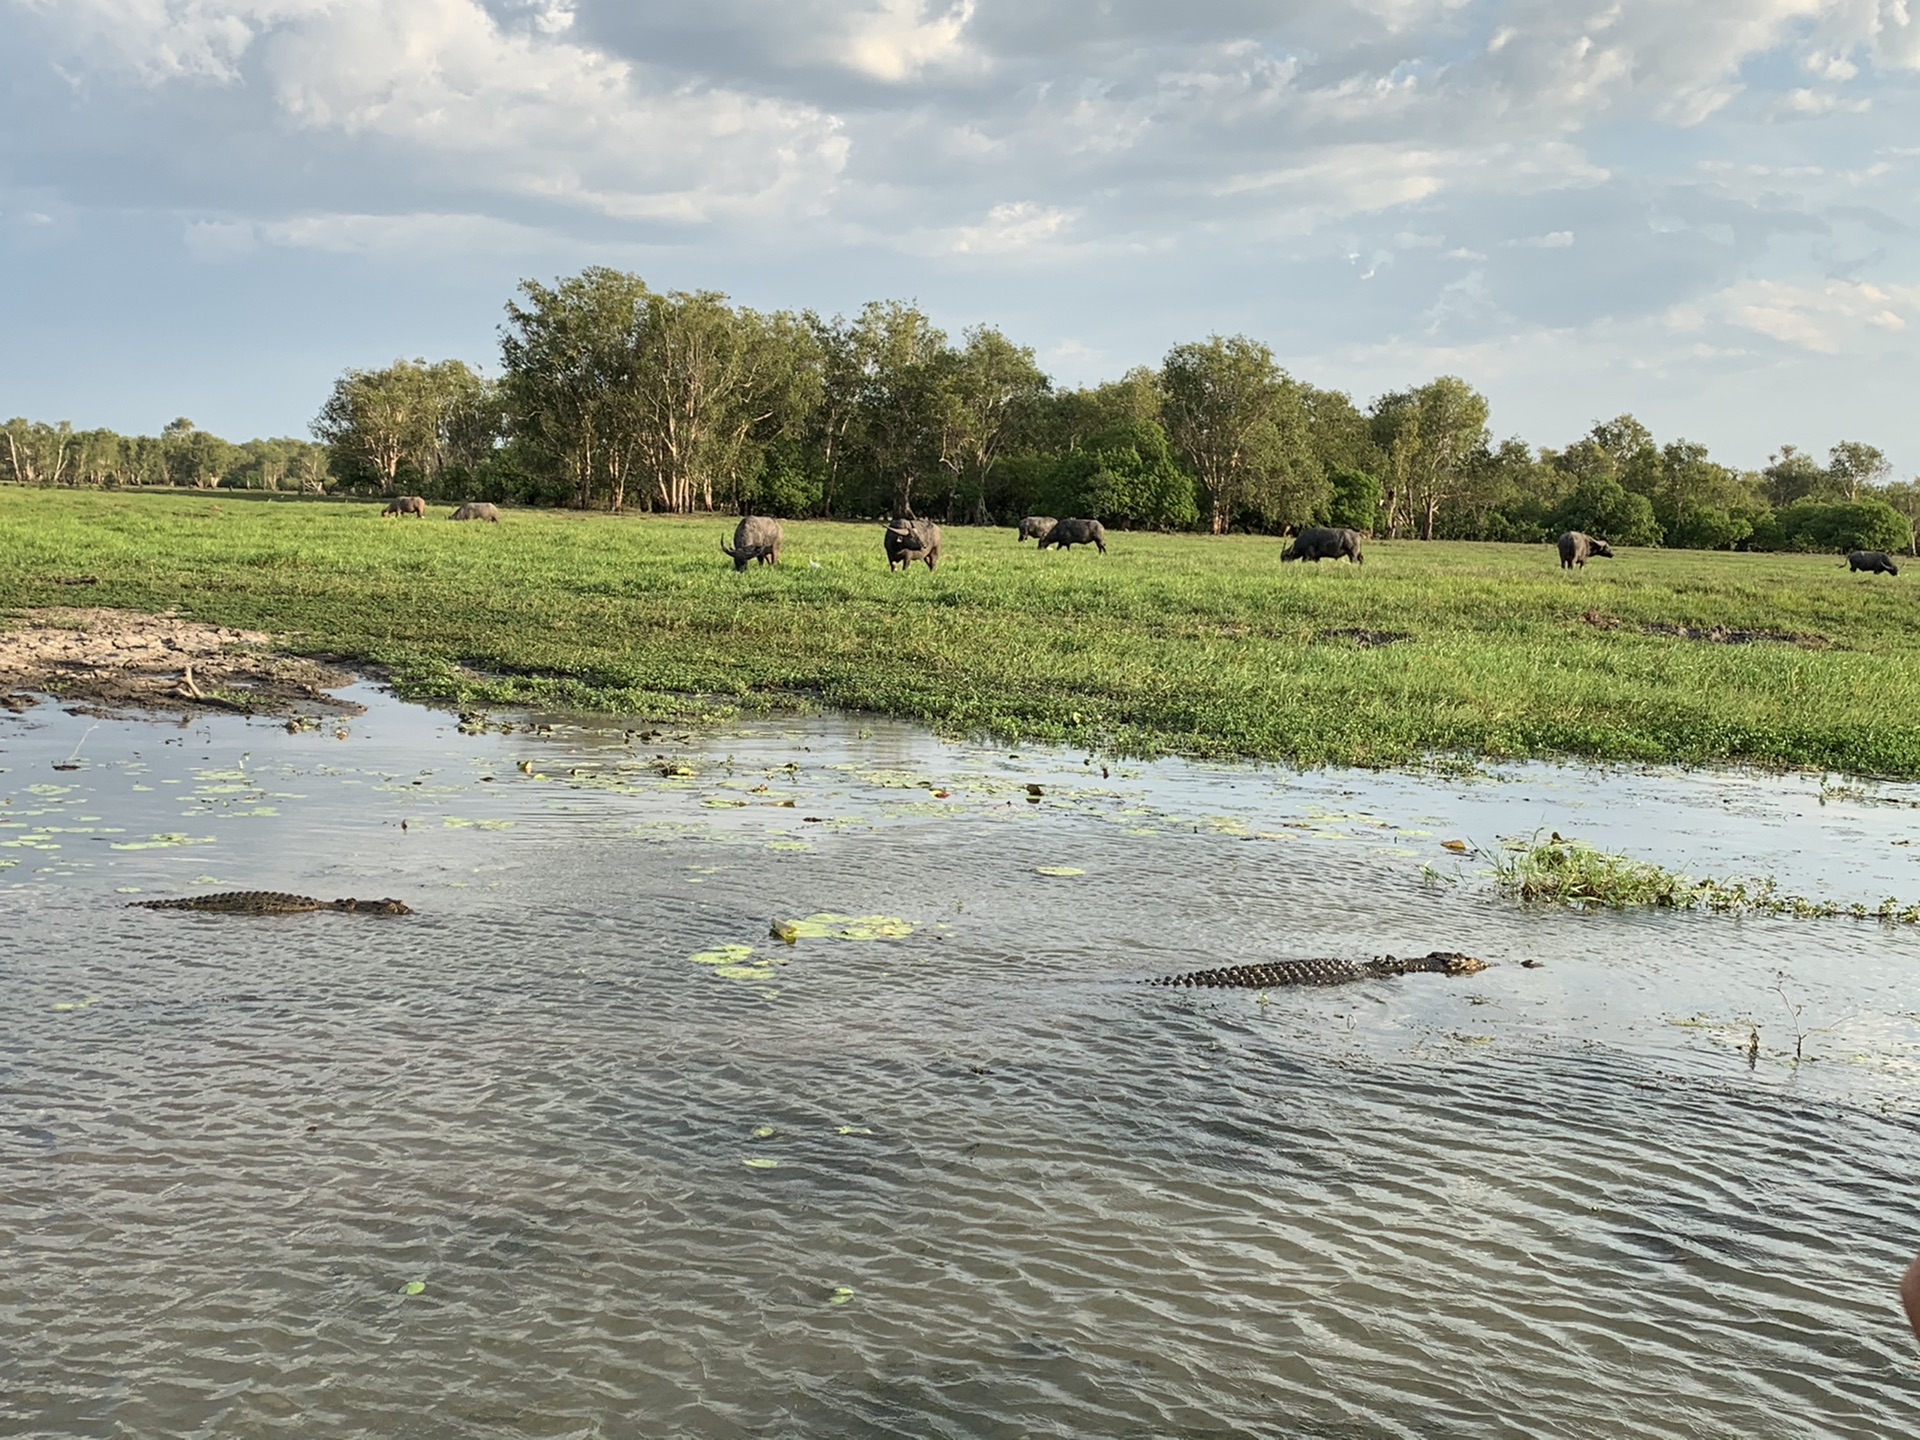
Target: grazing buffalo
(911,540)
(1874,562)
(754,538)
(1032,527)
(477,510)
(407,505)
(1324,542)
(1577,549)
(1065,534)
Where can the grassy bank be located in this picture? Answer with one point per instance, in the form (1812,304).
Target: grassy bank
(1168,643)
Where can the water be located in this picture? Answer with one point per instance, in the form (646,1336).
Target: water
(968,1180)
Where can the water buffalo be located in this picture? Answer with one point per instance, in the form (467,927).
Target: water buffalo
(1577,549)
(911,540)
(1324,542)
(754,538)
(1874,562)
(407,505)
(1067,533)
(1034,526)
(477,510)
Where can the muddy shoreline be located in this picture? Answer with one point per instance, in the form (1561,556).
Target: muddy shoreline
(120,663)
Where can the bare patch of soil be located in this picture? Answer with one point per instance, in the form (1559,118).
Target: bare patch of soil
(1728,635)
(1367,639)
(106,662)
(1714,634)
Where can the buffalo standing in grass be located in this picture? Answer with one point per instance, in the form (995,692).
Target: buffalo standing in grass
(1032,527)
(1874,562)
(754,538)
(911,540)
(1577,549)
(1324,542)
(477,510)
(407,505)
(1065,534)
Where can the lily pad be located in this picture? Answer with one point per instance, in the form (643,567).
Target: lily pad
(413,1287)
(722,955)
(1058,870)
(161,842)
(829,925)
(760,1162)
(841,1295)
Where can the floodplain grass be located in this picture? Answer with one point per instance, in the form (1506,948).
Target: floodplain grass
(1170,643)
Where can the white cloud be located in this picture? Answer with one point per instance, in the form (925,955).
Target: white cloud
(517,111)
(1018,225)
(1824,319)
(896,40)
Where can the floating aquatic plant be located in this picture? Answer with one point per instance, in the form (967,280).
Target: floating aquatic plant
(1569,872)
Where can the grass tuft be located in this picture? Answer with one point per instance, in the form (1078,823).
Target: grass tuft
(1567,872)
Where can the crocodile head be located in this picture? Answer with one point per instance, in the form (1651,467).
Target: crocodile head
(1458,964)
(373,907)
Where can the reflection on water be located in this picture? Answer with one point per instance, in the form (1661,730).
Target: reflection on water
(580,1149)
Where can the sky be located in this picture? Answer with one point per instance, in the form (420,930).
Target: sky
(1700,213)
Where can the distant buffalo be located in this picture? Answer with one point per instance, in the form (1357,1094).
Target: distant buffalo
(1323,542)
(1034,526)
(1065,534)
(1874,562)
(911,540)
(477,510)
(1577,549)
(754,538)
(407,505)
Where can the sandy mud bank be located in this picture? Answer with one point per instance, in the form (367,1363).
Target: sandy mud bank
(110,662)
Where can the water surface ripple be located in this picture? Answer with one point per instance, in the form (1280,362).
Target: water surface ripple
(971,1180)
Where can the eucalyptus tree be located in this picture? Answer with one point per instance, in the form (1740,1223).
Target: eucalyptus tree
(1699,504)
(194,457)
(408,413)
(1240,424)
(36,453)
(987,390)
(568,379)
(712,384)
(1853,465)
(900,357)
(1429,437)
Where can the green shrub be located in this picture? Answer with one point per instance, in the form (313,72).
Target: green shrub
(1832,526)
(1356,499)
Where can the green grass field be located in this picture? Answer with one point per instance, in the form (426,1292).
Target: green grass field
(1169,643)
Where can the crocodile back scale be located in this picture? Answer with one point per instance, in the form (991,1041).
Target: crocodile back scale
(271,902)
(1326,972)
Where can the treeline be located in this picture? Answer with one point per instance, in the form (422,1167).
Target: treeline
(35,453)
(614,395)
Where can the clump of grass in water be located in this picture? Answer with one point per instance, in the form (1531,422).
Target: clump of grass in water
(1567,872)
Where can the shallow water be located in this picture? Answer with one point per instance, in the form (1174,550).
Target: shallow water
(969,1180)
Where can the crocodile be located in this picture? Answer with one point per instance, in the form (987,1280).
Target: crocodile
(1326,972)
(272,902)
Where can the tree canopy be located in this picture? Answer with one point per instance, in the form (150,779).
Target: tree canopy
(612,394)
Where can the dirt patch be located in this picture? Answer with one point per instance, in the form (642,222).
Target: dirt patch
(1727,635)
(1714,634)
(105,662)
(1367,639)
